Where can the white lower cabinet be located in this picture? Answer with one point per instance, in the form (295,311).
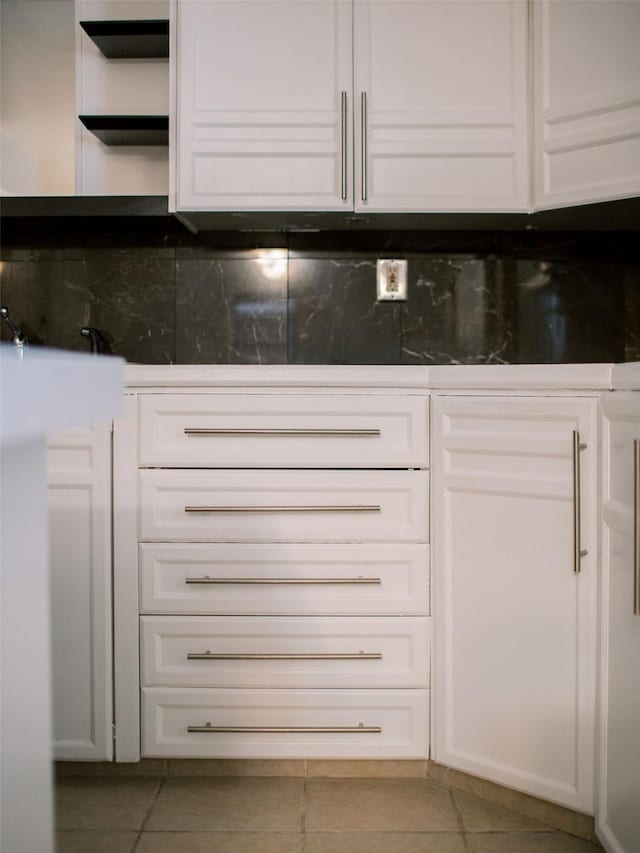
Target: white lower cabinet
(617,812)
(515,551)
(284,610)
(79,494)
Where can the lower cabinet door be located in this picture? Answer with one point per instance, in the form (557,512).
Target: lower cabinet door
(617,812)
(285,723)
(284,652)
(79,495)
(515,540)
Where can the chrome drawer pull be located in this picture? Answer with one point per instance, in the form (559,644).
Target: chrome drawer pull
(361,729)
(578,552)
(363,142)
(285,580)
(276,432)
(636,527)
(290,656)
(343,146)
(276,509)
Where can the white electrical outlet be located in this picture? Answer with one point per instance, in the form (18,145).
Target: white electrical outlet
(392,280)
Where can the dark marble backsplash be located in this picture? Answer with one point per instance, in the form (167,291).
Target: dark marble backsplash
(160,295)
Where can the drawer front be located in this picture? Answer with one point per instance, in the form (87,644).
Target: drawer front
(271,431)
(274,506)
(284,578)
(344,724)
(284,652)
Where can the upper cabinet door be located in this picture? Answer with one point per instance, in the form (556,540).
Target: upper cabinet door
(586,101)
(441,105)
(263,106)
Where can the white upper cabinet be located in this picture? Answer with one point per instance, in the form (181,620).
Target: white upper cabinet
(263,105)
(586,101)
(441,105)
(270,115)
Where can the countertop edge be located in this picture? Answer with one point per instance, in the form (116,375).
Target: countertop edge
(438,378)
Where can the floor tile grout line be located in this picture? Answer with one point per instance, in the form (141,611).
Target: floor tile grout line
(145,820)
(303,814)
(458,812)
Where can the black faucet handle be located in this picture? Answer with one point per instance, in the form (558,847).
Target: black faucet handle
(18,337)
(96,340)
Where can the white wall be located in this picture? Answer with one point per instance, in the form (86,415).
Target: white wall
(37,97)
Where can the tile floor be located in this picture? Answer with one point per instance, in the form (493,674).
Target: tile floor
(232,814)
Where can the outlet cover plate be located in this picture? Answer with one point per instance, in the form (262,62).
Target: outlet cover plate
(392,280)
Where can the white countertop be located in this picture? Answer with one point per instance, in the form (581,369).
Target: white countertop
(486,377)
(43,390)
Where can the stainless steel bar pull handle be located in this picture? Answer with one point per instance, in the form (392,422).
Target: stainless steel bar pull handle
(265,581)
(578,551)
(343,145)
(636,527)
(307,433)
(361,729)
(285,656)
(284,509)
(363,140)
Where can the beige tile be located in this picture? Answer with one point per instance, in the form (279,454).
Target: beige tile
(481,816)
(228,803)
(402,805)
(239,767)
(219,842)
(528,842)
(551,814)
(367,769)
(103,803)
(144,767)
(384,842)
(95,842)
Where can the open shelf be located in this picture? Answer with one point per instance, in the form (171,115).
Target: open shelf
(129,130)
(130,39)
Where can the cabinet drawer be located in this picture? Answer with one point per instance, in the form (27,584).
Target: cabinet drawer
(297,431)
(284,652)
(285,723)
(284,578)
(272,506)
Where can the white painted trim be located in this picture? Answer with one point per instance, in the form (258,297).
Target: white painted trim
(173,105)
(125,583)
(626,377)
